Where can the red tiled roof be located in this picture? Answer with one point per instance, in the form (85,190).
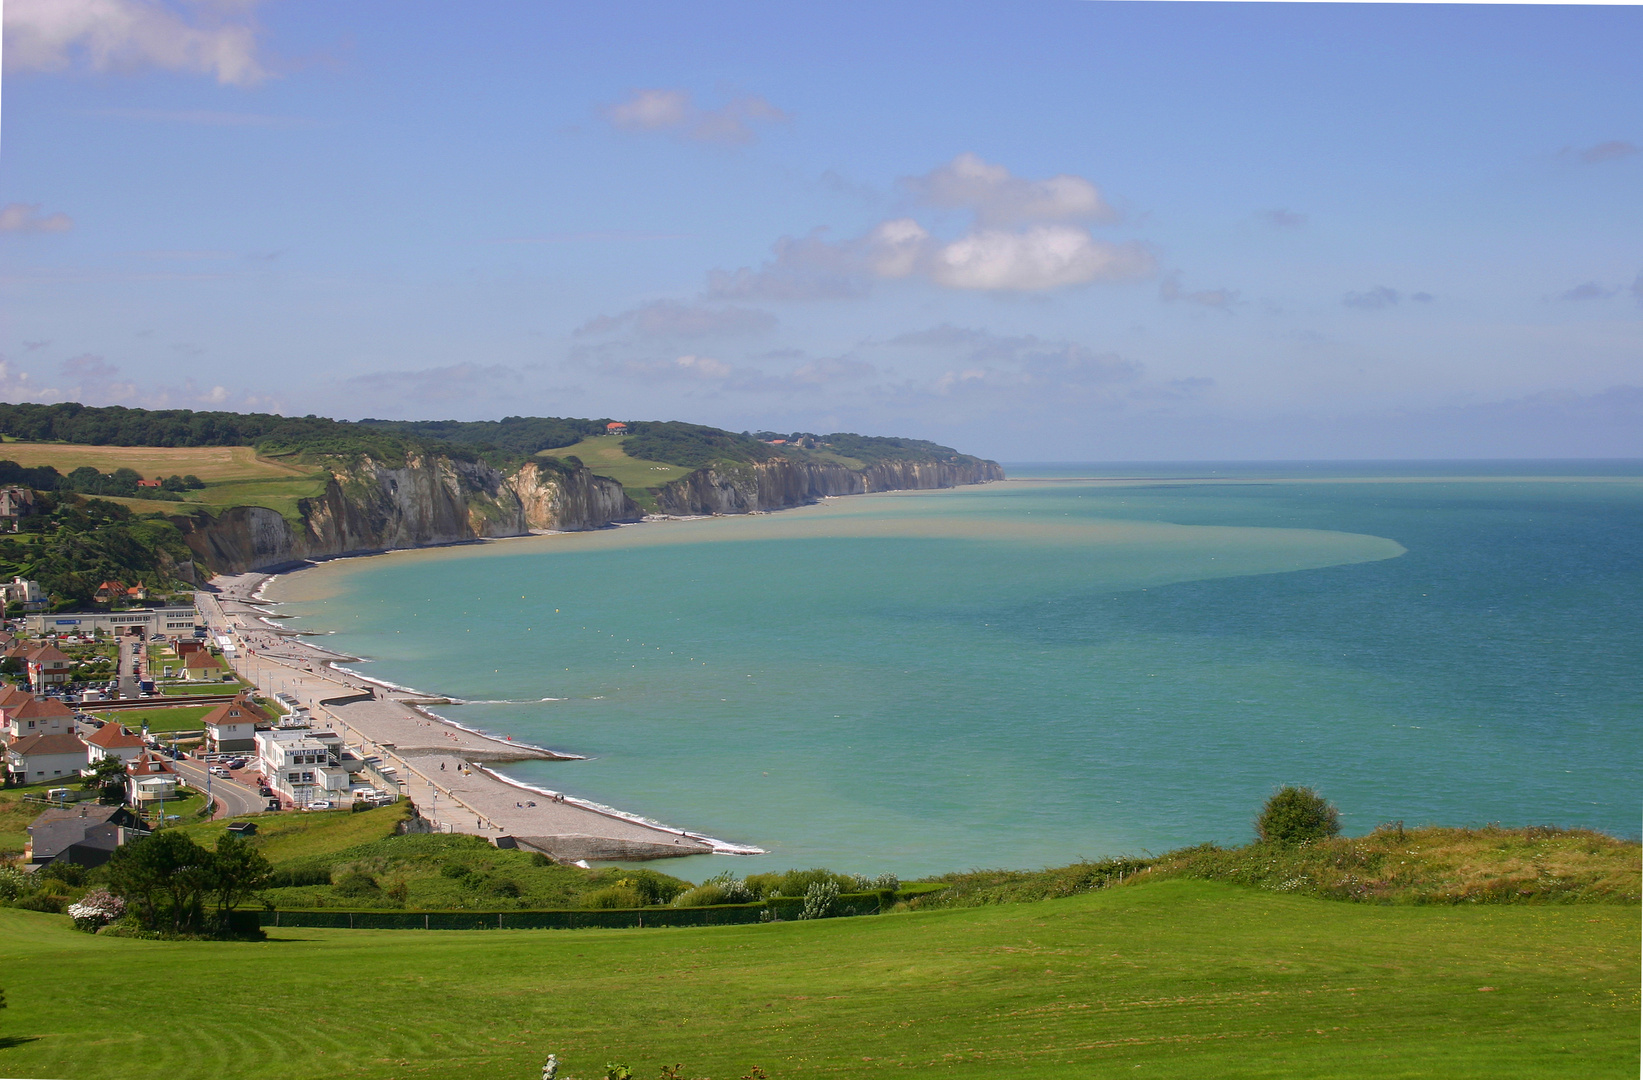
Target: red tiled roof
(114,737)
(48,744)
(149,765)
(49,654)
(41,709)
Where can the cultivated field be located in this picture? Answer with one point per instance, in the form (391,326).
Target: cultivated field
(604,454)
(234,475)
(1173,979)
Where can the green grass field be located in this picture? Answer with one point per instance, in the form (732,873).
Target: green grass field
(234,475)
(604,454)
(183,718)
(1171,979)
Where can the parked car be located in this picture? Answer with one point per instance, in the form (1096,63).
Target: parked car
(321,805)
(273,804)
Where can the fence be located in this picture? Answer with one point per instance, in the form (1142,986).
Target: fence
(783,908)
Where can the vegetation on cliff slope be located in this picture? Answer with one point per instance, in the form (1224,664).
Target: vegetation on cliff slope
(72,544)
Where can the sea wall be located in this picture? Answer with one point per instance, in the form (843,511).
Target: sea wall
(781,483)
(371,506)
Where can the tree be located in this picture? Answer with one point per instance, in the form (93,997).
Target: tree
(164,877)
(238,871)
(1294,815)
(108,780)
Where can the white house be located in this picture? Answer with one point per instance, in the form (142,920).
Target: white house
(113,740)
(306,766)
(150,778)
(24,714)
(34,758)
(232,727)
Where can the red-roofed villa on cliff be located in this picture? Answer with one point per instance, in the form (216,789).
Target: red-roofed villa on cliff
(616,427)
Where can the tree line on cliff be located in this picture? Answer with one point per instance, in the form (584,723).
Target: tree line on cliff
(502,443)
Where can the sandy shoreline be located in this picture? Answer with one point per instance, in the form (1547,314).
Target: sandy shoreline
(448,769)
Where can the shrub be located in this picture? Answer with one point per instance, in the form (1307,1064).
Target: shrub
(355,883)
(1294,815)
(613,896)
(13,883)
(291,877)
(819,899)
(453,870)
(96,909)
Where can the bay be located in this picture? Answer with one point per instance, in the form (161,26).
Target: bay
(1100,660)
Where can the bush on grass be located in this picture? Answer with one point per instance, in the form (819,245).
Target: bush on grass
(1295,815)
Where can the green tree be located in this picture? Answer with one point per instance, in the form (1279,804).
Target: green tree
(164,877)
(108,779)
(1294,815)
(238,870)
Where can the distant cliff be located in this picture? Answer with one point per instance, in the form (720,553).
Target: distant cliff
(434,499)
(773,485)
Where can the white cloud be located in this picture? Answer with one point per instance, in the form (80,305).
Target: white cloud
(1037,258)
(1043,257)
(26,217)
(675,112)
(1023,239)
(129,35)
(998,198)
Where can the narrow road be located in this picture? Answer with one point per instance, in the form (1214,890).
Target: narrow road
(237,800)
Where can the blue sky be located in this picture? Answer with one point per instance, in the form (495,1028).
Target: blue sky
(1036,231)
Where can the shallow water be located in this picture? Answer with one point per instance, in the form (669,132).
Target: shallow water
(1029,672)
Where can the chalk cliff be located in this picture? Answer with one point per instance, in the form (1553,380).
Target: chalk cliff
(432,499)
(782,482)
(370,506)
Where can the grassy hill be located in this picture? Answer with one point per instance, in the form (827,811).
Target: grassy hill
(1171,979)
(607,455)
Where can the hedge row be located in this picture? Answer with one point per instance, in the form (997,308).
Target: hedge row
(782,908)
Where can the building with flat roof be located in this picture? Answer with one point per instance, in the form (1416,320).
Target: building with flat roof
(153,622)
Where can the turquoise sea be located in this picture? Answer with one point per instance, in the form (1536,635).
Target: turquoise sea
(1103,659)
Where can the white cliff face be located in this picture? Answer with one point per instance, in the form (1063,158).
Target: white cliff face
(369,506)
(433,499)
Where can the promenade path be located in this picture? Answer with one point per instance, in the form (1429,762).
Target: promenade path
(440,763)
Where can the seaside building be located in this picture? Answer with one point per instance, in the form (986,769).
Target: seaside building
(25,715)
(305,766)
(150,778)
(28,593)
(149,621)
(34,758)
(48,666)
(115,741)
(232,728)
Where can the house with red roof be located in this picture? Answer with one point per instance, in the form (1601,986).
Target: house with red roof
(616,427)
(115,741)
(109,591)
(48,665)
(150,777)
(44,757)
(27,715)
(232,728)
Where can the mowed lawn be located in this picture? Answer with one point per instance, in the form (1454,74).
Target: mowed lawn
(606,456)
(234,475)
(1169,979)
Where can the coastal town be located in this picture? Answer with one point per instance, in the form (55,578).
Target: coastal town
(126,719)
